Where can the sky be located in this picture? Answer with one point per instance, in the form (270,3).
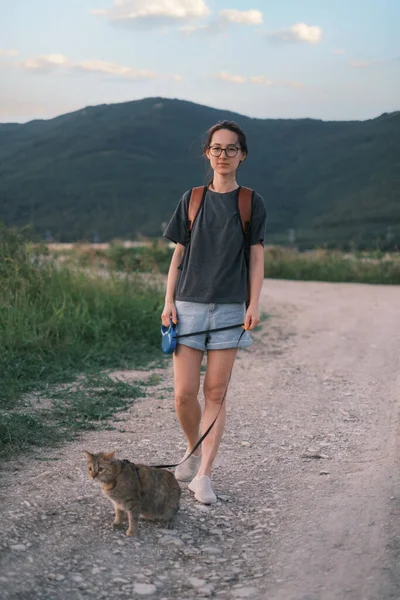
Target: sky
(325,59)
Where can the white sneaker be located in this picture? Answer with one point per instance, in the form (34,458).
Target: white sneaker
(189,468)
(201,487)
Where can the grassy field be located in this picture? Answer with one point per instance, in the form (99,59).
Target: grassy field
(57,322)
(375,267)
(335,266)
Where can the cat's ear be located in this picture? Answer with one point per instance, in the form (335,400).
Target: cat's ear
(108,455)
(88,455)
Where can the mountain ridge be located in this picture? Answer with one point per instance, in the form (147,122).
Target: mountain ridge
(118,170)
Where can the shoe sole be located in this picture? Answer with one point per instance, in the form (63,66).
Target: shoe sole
(208,503)
(202,501)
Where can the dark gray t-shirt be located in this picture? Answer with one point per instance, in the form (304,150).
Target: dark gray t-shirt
(213,268)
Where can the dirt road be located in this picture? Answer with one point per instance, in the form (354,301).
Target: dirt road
(308,474)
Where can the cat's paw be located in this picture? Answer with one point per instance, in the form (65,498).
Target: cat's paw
(117,524)
(130,532)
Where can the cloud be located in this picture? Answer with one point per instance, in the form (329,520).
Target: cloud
(255,80)
(260,80)
(51,62)
(47,62)
(191,13)
(224,76)
(156,11)
(8,52)
(110,68)
(339,51)
(224,19)
(246,17)
(298,33)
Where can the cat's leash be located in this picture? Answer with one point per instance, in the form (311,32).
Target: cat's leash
(205,434)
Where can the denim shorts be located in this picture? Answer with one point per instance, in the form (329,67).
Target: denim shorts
(196,316)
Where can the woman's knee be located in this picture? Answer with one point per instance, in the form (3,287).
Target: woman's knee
(215,393)
(185,398)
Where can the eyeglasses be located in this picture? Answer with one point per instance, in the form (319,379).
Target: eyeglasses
(230,151)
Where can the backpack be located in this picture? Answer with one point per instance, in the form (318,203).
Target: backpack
(245,201)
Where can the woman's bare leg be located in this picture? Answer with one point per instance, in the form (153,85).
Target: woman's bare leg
(187,363)
(219,366)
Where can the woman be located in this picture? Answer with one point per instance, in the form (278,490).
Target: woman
(206,289)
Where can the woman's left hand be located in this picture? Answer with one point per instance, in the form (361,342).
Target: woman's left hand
(252,317)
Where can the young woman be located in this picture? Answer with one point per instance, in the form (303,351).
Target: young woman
(206,289)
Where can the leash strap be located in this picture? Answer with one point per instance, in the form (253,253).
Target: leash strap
(213,423)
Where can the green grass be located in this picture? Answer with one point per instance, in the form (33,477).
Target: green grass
(375,267)
(95,400)
(154,258)
(333,266)
(56,323)
(20,431)
(70,409)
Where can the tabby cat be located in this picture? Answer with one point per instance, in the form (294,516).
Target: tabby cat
(136,489)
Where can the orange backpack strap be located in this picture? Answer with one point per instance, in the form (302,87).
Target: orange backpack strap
(245,201)
(196,197)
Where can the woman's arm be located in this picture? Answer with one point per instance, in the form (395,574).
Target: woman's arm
(169,310)
(256,274)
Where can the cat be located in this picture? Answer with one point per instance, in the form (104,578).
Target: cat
(136,489)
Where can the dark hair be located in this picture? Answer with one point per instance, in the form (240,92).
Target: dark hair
(231,126)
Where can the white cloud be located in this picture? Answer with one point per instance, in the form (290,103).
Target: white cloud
(256,80)
(155,10)
(260,80)
(109,68)
(224,76)
(339,51)
(184,11)
(47,62)
(52,62)
(219,23)
(8,52)
(246,17)
(299,33)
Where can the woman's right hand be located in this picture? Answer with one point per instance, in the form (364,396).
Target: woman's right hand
(169,312)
